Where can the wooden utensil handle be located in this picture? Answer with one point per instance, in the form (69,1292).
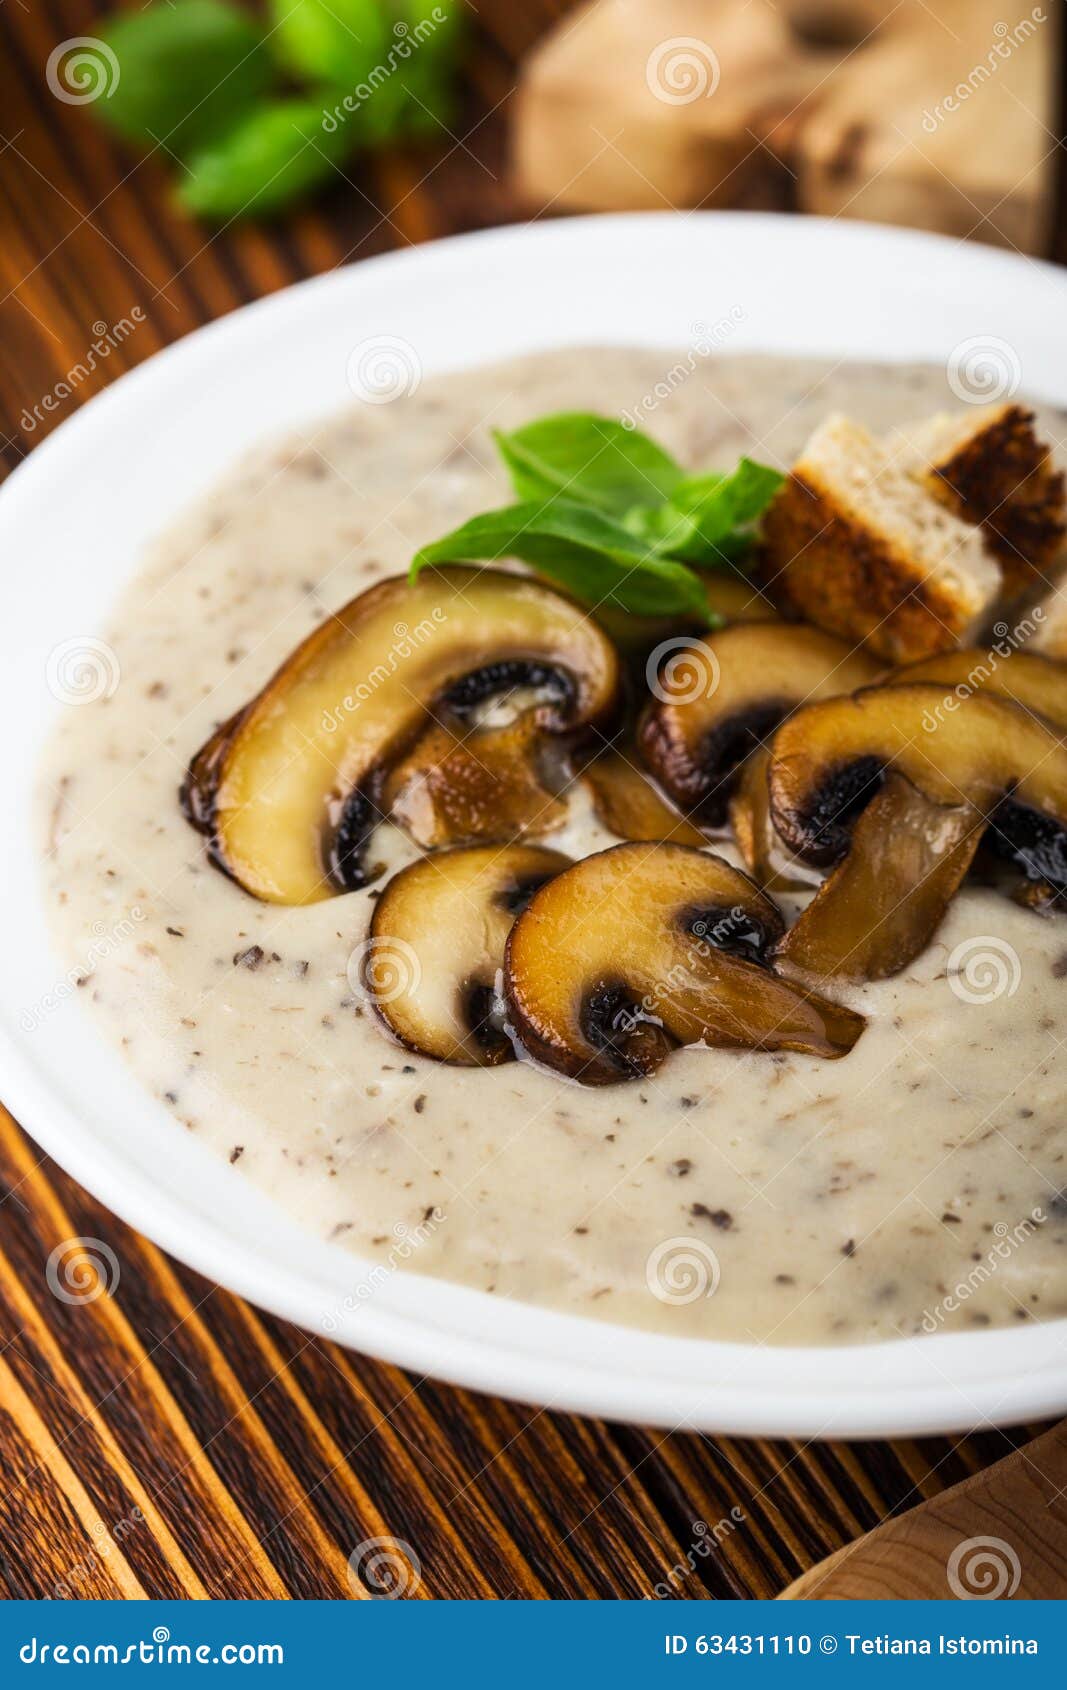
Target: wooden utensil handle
(1002,1532)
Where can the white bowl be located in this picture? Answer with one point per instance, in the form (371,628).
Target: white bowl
(73,522)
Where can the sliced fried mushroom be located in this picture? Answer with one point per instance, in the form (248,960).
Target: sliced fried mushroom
(289,790)
(722,696)
(1037,683)
(884,900)
(829,759)
(458,786)
(731,598)
(437,944)
(762,852)
(641,948)
(628,804)
(909,853)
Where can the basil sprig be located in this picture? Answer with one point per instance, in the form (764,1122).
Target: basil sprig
(608,514)
(261,110)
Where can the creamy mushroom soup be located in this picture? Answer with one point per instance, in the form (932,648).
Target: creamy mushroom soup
(914,1185)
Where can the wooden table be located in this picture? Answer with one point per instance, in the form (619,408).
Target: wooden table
(170,1440)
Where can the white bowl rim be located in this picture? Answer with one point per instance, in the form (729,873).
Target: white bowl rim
(921,287)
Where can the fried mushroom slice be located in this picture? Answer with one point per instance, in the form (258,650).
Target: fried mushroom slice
(731,596)
(909,853)
(629,806)
(436,946)
(1039,684)
(762,852)
(829,760)
(882,903)
(459,786)
(718,698)
(642,948)
(289,790)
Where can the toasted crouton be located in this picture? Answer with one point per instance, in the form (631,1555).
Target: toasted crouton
(989,467)
(854,544)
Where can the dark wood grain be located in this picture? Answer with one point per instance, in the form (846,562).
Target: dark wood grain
(170,1440)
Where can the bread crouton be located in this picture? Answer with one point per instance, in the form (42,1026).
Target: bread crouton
(852,543)
(989,467)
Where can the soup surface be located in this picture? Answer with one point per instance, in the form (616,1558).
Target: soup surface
(915,1185)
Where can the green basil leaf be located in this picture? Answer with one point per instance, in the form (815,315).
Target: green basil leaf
(340,43)
(384,66)
(709,518)
(591,459)
(414,100)
(725,502)
(267,160)
(435,27)
(185,70)
(585,551)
